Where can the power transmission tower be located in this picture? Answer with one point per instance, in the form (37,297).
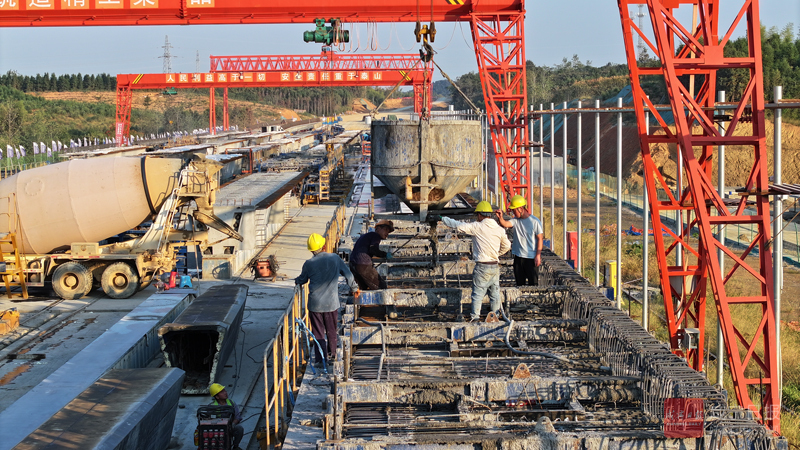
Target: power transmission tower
(167,56)
(197,63)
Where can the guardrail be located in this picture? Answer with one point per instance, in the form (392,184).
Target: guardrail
(288,351)
(334,229)
(288,354)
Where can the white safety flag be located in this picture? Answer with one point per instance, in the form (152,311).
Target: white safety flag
(9,151)
(60,145)
(16,151)
(35,148)
(42,147)
(22,150)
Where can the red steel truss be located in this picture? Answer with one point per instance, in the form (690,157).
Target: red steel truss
(327,60)
(500,48)
(687,258)
(418,77)
(497,29)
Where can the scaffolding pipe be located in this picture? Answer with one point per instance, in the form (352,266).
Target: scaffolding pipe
(618,287)
(541,164)
(579,163)
(597,193)
(777,256)
(564,184)
(646,244)
(552,180)
(530,161)
(720,252)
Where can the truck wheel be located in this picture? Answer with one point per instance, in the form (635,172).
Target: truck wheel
(119,280)
(72,280)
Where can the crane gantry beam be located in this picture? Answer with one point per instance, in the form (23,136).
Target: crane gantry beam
(415,74)
(688,256)
(73,13)
(327,60)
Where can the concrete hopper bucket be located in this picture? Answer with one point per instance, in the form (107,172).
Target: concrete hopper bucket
(426,163)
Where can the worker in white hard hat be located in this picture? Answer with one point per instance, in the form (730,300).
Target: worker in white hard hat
(489,241)
(527,244)
(220,396)
(322,273)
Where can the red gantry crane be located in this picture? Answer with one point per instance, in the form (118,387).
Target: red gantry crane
(282,71)
(498,38)
(497,31)
(687,258)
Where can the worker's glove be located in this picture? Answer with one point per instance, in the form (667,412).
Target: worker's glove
(389,255)
(357,294)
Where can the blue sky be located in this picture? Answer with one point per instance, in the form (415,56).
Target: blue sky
(554,30)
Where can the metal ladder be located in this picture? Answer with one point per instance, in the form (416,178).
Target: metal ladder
(13,276)
(261,227)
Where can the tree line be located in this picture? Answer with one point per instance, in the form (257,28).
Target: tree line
(50,82)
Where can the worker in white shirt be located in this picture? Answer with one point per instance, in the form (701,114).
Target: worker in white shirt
(527,245)
(489,241)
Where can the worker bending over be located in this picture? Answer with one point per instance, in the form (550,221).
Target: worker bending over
(366,248)
(489,241)
(322,273)
(527,244)
(220,396)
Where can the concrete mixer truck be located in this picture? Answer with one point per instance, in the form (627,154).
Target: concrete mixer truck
(66,217)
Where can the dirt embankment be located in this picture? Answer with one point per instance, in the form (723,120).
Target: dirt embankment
(156,101)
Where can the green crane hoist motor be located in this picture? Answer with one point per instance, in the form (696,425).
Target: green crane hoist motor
(328,35)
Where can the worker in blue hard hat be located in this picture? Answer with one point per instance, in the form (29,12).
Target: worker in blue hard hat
(527,244)
(489,241)
(322,272)
(220,396)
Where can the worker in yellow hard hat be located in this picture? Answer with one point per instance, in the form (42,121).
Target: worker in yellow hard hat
(220,396)
(489,241)
(527,244)
(322,272)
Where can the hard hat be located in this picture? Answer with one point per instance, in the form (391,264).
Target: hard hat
(386,223)
(215,389)
(517,201)
(483,207)
(315,242)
